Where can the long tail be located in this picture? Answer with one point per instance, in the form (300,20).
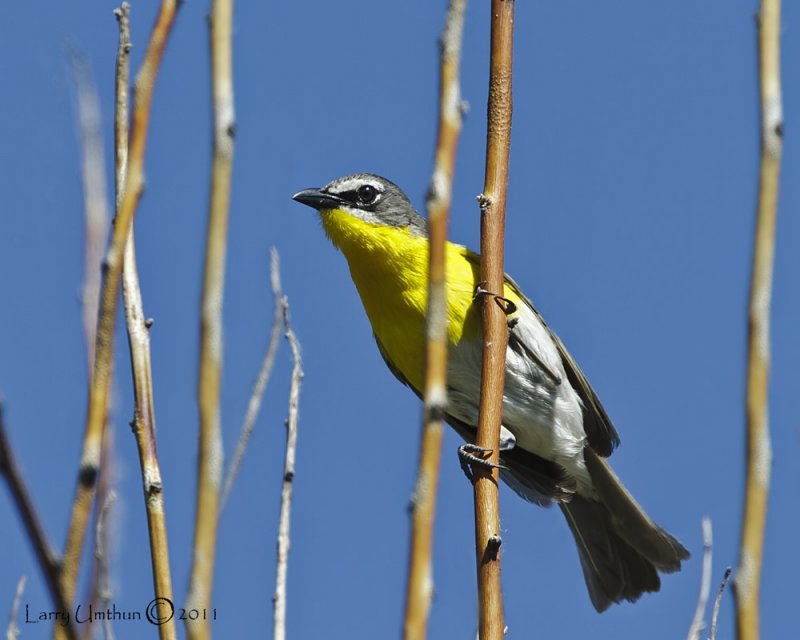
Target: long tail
(621,548)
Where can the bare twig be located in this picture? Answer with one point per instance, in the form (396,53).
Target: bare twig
(48,559)
(747,581)
(254,405)
(495,331)
(717,602)
(101,379)
(96,219)
(12,630)
(210,455)
(284,541)
(698,623)
(94,192)
(420,580)
(102,537)
(138,328)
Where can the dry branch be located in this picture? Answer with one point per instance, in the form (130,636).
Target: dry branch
(95,202)
(138,328)
(747,581)
(284,541)
(101,376)
(210,456)
(48,559)
(698,622)
(495,331)
(254,405)
(718,602)
(96,220)
(12,630)
(420,580)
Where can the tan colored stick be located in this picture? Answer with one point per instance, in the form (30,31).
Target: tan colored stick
(284,540)
(420,579)
(495,330)
(747,582)
(210,456)
(144,424)
(101,378)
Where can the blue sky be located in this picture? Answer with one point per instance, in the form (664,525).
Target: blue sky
(630,213)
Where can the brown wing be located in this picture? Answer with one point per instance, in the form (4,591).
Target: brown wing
(603,437)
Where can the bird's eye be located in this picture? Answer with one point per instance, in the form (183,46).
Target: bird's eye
(367,194)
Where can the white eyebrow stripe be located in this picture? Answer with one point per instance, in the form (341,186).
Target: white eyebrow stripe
(353,184)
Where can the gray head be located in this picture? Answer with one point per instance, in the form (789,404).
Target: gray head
(367,197)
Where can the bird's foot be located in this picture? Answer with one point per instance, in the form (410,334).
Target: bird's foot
(469,456)
(505,304)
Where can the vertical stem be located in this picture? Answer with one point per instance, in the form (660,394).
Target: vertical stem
(284,538)
(420,581)
(210,456)
(759,450)
(495,330)
(144,425)
(101,377)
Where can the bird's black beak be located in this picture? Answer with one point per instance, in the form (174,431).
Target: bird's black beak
(317,199)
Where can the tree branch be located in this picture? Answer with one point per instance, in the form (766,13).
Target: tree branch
(495,331)
(698,623)
(284,541)
(210,455)
(747,582)
(420,581)
(48,559)
(101,378)
(257,395)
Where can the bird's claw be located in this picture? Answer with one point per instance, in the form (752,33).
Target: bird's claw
(469,456)
(505,304)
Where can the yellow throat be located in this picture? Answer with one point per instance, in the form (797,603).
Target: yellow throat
(389,266)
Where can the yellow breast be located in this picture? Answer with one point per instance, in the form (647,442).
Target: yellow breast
(389,267)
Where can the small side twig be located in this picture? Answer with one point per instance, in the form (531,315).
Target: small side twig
(210,454)
(103,586)
(698,623)
(48,559)
(420,582)
(96,415)
(284,541)
(12,630)
(257,395)
(718,602)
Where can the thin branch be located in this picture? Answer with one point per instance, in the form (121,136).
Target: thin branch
(495,331)
(698,623)
(257,395)
(284,541)
(420,581)
(104,592)
(12,630)
(94,192)
(48,559)
(717,603)
(96,415)
(747,582)
(96,220)
(210,455)
(138,328)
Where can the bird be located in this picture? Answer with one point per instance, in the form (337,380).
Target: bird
(555,434)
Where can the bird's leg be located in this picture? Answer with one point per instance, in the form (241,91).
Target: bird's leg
(505,304)
(470,454)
